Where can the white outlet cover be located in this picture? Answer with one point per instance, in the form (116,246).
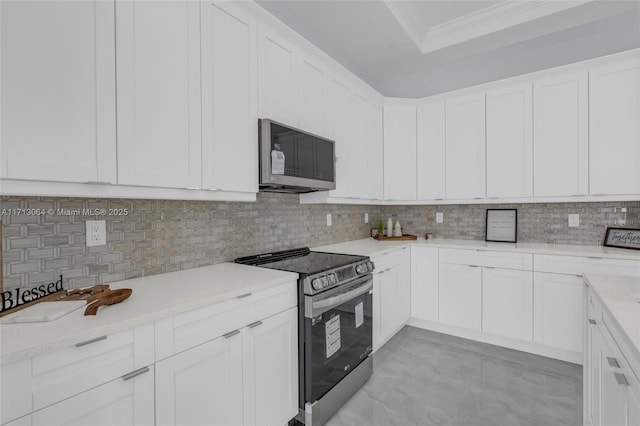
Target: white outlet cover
(328,219)
(574,220)
(96,233)
(439,217)
(366,218)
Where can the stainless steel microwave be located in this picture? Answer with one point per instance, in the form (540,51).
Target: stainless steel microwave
(292,160)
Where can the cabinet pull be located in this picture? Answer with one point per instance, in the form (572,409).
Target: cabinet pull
(243,296)
(594,258)
(255,324)
(579,276)
(133,374)
(231,334)
(192,187)
(621,379)
(88,342)
(473,266)
(613,362)
(592,321)
(489,267)
(97,182)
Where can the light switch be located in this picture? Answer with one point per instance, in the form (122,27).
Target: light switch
(574,220)
(439,217)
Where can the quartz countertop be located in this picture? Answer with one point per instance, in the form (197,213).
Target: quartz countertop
(371,247)
(620,298)
(153,298)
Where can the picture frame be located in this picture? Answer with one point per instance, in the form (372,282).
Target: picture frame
(626,238)
(501,225)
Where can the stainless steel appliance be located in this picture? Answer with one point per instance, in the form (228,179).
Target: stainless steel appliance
(292,160)
(334,327)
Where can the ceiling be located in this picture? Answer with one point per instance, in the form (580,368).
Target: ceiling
(418,48)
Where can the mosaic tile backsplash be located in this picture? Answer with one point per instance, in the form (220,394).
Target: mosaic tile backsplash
(157,236)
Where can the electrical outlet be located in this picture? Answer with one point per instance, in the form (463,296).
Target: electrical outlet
(574,220)
(366,218)
(328,219)
(96,231)
(439,217)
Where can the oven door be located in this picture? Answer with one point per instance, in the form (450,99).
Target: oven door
(338,334)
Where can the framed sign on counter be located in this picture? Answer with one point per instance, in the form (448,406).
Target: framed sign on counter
(628,238)
(502,225)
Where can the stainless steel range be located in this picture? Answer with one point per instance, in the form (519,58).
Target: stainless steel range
(334,327)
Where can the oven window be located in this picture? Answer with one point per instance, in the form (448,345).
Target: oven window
(335,343)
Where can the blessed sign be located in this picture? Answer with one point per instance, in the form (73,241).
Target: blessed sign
(19,296)
(622,238)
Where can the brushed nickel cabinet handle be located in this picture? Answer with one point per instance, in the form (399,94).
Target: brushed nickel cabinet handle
(231,334)
(592,321)
(243,296)
(136,373)
(88,342)
(621,379)
(255,324)
(613,362)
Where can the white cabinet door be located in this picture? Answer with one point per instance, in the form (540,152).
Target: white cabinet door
(312,94)
(465,147)
(614,108)
(158,93)
(277,77)
(58,91)
(404,286)
(430,151)
(119,402)
(339,100)
(389,302)
(229,98)
(373,152)
(270,369)
(595,360)
(359,169)
(460,295)
(399,150)
(202,385)
(558,310)
(509,142)
(377,311)
(560,135)
(424,283)
(507,303)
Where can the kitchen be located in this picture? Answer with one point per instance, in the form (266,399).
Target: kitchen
(192,200)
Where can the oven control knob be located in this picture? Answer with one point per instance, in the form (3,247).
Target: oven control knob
(332,278)
(361,269)
(316,283)
(371,266)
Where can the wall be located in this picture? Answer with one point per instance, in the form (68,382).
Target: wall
(163,236)
(537,223)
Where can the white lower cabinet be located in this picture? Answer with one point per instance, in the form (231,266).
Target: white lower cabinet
(391,294)
(558,310)
(424,283)
(507,302)
(460,295)
(245,377)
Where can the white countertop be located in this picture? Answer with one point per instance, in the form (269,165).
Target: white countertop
(620,298)
(371,247)
(154,297)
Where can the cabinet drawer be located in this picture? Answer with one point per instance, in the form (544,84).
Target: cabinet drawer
(70,371)
(579,265)
(618,351)
(179,333)
(15,401)
(388,259)
(494,259)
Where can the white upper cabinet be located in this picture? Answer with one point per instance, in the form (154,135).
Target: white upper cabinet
(465,147)
(430,151)
(560,132)
(58,91)
(509,135)
(358,169)
(229,98)
(338,126)
(277,77)
(158,88)
(399,149)
(614,129)
(312,94)
(373,188)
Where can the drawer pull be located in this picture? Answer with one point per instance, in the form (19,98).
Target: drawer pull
(594,258)
(592,321)
(88,342)
(136,373)
(579,276)
(243,296)
(98,182)
(473,266)
(613,362)
(621,379)
(489,267)
(231,334)
(255,324)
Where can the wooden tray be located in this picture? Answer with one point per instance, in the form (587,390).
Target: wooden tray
(404,237)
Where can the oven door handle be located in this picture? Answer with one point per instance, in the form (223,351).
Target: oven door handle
(323,305)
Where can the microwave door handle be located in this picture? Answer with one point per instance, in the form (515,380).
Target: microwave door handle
(324,305)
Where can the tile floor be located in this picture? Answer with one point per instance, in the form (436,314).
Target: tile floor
(426,378)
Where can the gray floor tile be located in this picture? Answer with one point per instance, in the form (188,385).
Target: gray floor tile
(423,378)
